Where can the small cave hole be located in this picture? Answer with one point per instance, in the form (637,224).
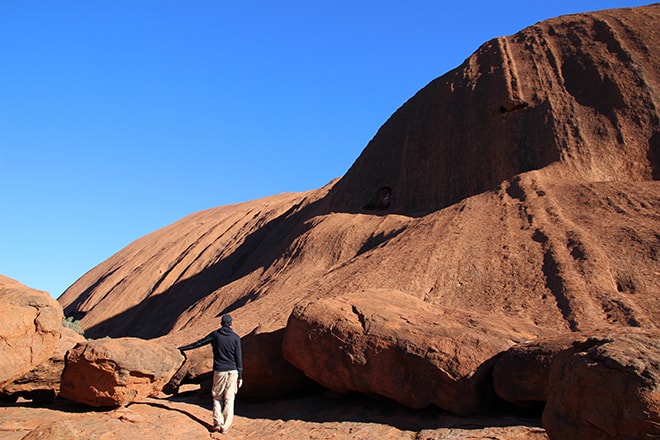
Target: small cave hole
(381,200)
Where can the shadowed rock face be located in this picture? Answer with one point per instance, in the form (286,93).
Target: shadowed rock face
(520,187)
(521,374)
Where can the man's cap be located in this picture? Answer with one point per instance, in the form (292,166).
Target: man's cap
(226,320)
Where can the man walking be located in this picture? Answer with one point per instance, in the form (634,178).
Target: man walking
(227,371)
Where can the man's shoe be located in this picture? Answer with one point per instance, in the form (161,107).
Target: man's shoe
(216,429)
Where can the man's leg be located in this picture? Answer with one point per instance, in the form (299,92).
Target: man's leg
(220,380)
(218,418)
(230,393)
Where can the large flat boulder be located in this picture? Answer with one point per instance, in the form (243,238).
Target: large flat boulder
(394,345)
(30,326)
(607,387)
(115,372)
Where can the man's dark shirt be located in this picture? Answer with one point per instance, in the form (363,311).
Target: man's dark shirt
(226,345)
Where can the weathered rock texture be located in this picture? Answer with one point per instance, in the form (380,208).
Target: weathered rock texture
(115,372)
(196,368)
(42,383)
(30,326)
(397,346)
(606,388)
(580,92)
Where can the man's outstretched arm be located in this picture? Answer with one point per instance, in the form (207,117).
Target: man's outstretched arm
(205,340)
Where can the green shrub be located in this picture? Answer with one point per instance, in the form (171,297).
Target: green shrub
(73,325)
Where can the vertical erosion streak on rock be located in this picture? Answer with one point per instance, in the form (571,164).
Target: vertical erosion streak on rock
(511,75)
(555,283)
(562,115)
(648,83)
(554,280)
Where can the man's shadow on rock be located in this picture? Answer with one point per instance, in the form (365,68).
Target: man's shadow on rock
(193,417)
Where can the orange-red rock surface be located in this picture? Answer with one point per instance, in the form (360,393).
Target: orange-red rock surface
(42,383)
(115,372)
(391,344)
(30,328)
(606,387)
(315,418)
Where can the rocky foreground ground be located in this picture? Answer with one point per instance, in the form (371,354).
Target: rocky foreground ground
(319,417)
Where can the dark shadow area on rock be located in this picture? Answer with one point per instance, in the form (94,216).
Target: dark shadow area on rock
(194,418)
(155,315)
(654,155)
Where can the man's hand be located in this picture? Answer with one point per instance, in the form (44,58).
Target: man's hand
(240,383)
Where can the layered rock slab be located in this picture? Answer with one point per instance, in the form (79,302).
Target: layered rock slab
(30,326)
(391,344)
(607,387)
(115,372)
(42,383)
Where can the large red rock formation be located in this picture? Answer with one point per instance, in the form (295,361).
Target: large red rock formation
(580,92)
(521,186)
(571,245)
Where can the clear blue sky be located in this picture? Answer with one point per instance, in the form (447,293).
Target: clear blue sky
(120,117)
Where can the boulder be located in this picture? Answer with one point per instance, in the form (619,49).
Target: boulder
(266,373)
(115,372)
(42,383)
(394,345)
(521,374)
(30,326)
(607,387)
(197,368)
